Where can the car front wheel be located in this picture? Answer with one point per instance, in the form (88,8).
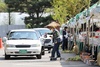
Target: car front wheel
(43,51)
(39,56)
(7,56)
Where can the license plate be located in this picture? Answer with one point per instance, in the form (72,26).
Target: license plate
(22,51)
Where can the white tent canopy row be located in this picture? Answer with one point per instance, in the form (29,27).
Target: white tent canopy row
(94,16)
(96,12)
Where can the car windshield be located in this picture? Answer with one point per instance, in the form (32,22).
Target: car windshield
(43,32)
(23,35)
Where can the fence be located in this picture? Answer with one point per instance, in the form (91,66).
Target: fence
(5,28)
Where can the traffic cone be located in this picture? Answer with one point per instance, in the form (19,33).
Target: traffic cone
(1,46)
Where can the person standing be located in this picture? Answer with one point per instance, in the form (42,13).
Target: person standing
(55,49)
(65,39)
(81,38)
(72,42)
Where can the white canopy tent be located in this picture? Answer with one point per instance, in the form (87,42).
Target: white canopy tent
(95,15)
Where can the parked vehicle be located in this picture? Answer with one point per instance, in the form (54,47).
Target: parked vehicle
(46,34)
(23,42)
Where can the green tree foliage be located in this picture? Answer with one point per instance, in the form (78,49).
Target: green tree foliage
(3,7)
(65,9)
(93,1)
(59,10)
(33,7)
(38,7)
(62,10)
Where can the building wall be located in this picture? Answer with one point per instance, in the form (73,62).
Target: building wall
(5,28)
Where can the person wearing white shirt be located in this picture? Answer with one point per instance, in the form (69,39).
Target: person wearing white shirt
(81,39)
(65,39)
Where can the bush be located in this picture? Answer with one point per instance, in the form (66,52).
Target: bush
(76,58)
(67,51)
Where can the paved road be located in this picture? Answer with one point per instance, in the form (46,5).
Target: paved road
(33,62)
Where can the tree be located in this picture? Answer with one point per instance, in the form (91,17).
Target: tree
(93,1)
(65,9)
(3,7)
(36,11)
(35,8)
(59,10)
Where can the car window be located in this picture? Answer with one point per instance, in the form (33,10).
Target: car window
(23,35)
(43,32)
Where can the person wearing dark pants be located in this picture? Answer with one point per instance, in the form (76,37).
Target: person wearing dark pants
(55,49)
(65,44)
(81,38)
(65,39)
(72,45)
(81,46)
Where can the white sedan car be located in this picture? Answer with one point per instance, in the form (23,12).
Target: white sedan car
(45,33)
(23,42)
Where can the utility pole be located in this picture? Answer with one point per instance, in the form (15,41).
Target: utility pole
(9,14)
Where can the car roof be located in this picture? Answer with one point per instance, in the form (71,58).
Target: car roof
(30,30)
(41,29)
(22,30)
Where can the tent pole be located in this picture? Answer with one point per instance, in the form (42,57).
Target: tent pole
(69,29)
(88,31)
(75,35)
(98,23)
(83,27)
(77,28)
(92,37)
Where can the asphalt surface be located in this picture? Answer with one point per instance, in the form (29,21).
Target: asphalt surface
(65,56)
(44,62)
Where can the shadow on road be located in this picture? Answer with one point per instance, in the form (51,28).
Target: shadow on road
(1,58)
(19,58)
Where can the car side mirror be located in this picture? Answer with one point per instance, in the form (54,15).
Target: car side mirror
(45,36)
(7,33)
(4,39)
(42,39)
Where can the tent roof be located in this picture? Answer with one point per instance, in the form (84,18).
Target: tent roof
(53,24)
(86,12)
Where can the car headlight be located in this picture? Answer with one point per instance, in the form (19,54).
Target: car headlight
(8,45)
(35,45)
(42,39)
